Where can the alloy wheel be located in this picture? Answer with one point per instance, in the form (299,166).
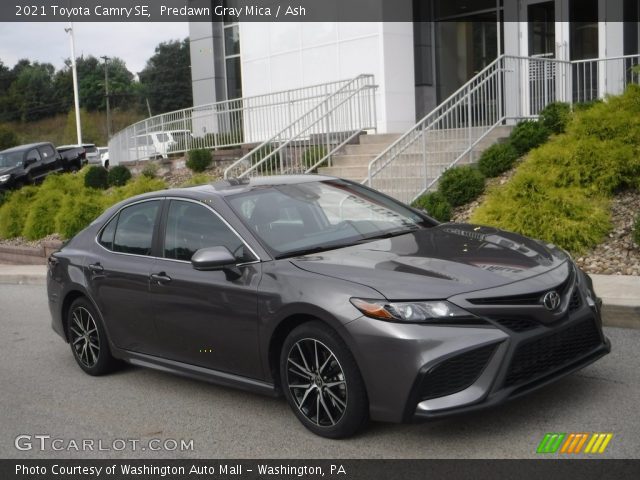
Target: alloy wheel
(84,337)
(317,382)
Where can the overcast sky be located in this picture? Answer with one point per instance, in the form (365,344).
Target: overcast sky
(48,42)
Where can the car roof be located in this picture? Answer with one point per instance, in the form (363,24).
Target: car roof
(233,186)
(21,148)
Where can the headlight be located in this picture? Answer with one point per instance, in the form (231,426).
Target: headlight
(410,311)
(4,178)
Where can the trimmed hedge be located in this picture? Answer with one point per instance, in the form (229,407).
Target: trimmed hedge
(528,135)
(436,205)
(63,205)
(97,177)
(561,191)
(556,116)
(199,160)
(460,185)
(118,176)
(497,159)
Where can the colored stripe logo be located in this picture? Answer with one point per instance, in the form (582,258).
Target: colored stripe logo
(572,443)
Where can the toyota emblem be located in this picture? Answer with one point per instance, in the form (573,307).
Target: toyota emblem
(551,300)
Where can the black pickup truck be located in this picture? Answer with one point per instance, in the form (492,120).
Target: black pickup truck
(28,164)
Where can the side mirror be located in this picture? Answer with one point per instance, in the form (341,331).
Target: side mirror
(212,258)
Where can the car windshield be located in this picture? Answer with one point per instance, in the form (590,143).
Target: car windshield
(309,217)
(10,159)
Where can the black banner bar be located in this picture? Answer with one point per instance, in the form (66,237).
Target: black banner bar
(547,469)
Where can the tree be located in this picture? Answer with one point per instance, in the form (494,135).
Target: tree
(166,78)
(8,138)
(31,95)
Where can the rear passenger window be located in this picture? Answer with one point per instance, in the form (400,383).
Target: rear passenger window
(106,237)
(134,231)
(47,151)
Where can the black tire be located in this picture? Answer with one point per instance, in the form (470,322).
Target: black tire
(333,403)
(88,340)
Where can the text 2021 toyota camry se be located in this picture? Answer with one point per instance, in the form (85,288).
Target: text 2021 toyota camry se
(351,304)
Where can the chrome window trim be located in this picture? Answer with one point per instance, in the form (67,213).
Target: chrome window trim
(198,202)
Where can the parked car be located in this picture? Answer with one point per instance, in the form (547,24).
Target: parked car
(104,156)
(352,305)
(74,157)
(31,163)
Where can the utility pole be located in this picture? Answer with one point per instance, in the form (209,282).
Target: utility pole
(76,99)
(106,88)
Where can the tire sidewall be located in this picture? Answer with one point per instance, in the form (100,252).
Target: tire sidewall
(105,360)
(357,411)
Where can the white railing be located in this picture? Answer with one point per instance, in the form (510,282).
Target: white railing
(223,124)
(510,88)
(312,140)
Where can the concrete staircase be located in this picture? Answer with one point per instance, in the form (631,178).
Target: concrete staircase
(443,148)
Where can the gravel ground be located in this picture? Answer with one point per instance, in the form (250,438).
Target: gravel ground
(617,255)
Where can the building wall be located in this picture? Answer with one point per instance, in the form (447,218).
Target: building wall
(281,56)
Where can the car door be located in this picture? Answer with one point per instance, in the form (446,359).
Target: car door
(33,164)
(50,157)
(205,318)
(118,275)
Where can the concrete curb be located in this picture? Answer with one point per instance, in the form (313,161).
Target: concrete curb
(620,293)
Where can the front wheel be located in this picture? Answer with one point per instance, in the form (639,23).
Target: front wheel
(322,382)
(88,339)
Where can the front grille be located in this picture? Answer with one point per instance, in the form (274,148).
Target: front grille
(516,324)
(456,373)
(540,356)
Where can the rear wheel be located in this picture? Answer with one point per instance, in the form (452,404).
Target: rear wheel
(322,382)
(88,339)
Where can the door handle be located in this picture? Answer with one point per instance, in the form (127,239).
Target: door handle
(96,268)
(160,277)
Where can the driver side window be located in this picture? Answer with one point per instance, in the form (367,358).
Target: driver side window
(33,156)
(191,227)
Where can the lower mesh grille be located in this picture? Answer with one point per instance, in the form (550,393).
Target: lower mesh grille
(575,301)
(535,358)
(456,373)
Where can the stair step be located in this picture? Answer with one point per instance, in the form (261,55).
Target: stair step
(379,138)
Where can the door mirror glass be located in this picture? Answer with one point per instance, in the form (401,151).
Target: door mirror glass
(212,258)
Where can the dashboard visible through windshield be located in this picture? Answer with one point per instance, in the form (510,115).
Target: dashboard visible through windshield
(302,218)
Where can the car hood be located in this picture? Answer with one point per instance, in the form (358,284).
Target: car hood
(6,170)
(438,262)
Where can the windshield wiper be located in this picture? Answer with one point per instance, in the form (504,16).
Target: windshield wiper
(309,251)
(390,234)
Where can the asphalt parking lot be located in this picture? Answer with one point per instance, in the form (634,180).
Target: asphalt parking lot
(43,392)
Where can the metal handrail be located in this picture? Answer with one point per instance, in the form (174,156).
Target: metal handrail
(298,135)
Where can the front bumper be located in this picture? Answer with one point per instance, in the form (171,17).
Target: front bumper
(418,372)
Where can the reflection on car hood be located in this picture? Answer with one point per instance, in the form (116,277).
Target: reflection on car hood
(437,262)
(6,170)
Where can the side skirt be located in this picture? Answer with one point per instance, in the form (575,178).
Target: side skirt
(195,372)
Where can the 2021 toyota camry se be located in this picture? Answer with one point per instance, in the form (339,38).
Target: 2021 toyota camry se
(351,304)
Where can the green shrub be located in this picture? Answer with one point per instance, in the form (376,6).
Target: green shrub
(150,170)
(531,205)
(118,176)
(528,135)
(497,159)
(556,116)
(312,155)
(137,186)
(460,185)
(76,212)
(436,205)
(198,179)
(3,197)
(199,160)
(14,211)
(41,219)
(8,138)
(636,231)
(97,177)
